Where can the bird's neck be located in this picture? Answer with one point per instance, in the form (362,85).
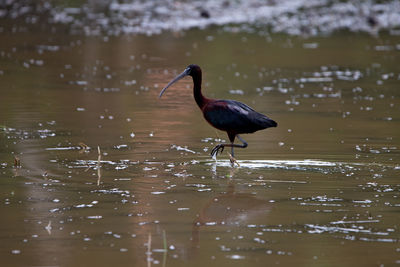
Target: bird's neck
(198,96)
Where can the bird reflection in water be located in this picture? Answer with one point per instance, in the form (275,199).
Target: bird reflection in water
(229,209)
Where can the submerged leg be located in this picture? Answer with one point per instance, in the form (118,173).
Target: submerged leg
(220,147)
(232,158)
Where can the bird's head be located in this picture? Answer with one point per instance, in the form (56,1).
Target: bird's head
(191,70)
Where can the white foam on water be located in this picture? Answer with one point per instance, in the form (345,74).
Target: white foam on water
(257,164)
(299,165)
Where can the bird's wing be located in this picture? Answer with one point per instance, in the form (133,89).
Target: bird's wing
(233,116)
(257,118)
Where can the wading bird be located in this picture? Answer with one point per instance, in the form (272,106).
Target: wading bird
(230,116)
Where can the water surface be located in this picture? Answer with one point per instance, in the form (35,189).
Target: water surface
(320,189)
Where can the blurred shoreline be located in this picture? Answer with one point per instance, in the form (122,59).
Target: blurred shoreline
(293,17)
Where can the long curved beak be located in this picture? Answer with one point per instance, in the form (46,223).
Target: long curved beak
(177,78)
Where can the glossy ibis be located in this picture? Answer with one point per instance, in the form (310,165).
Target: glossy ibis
(230,116)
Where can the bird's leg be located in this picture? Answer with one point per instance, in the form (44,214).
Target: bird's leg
(233,161)
(244,143)
(220,147)
(232,156)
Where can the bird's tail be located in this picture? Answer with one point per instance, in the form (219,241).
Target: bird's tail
(267,122)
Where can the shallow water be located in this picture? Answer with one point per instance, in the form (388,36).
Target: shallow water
(320,189)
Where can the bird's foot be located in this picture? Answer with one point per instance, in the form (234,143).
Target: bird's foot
(233,160)
(217,149)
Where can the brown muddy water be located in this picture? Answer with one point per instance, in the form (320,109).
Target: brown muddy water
(321,189)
